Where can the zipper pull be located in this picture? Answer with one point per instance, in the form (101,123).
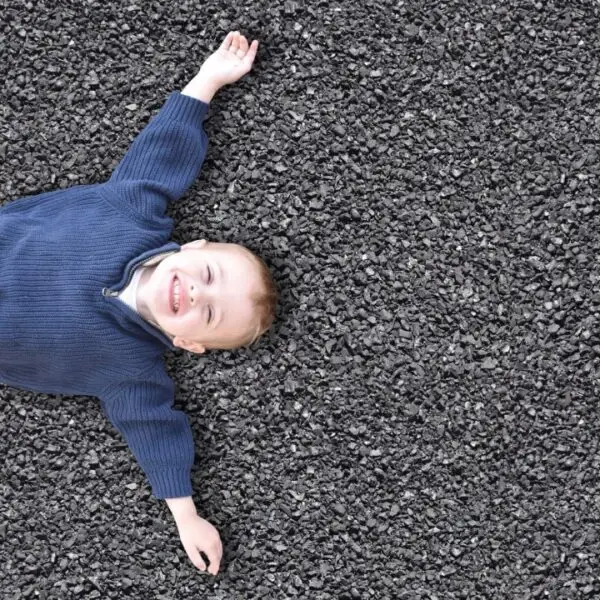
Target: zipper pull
(111,293)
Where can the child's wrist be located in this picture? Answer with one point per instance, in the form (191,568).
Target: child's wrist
(182,509)
(201,87)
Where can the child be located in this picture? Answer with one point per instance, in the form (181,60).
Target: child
(92,291)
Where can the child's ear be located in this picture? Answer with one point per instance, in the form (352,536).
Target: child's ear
(188,345)
(196,244)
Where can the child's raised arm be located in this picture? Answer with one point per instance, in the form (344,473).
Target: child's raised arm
(165,158)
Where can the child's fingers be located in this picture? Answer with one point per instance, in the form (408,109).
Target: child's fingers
(235,42)
(243,44)
(213,569)
(227,41)
(214,554)
(251,54)
(196,558)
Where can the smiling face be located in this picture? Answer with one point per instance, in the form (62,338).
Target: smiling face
(202,296)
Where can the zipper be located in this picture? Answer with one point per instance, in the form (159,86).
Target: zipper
(107,292)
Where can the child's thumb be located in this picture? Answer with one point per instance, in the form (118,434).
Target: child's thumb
(194,555)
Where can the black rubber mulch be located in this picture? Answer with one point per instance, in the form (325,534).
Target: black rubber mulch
(423,421)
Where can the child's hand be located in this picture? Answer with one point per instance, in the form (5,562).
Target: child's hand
(231,61)
(198,535)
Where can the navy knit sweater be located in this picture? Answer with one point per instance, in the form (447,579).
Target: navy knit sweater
(64,255)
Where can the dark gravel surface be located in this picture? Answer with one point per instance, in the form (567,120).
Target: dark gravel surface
(422,422)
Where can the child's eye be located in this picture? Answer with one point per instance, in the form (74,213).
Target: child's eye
(208,274)
(209,315)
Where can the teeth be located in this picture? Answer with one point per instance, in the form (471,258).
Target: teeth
(176,295)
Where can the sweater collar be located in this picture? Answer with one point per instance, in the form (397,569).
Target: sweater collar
(147,259)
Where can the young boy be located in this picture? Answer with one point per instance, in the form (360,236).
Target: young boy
(92,292)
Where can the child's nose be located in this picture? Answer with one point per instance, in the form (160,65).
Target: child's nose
(196,294)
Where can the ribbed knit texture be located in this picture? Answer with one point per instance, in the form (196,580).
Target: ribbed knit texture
(60,335)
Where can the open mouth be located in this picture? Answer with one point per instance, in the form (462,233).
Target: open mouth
(175,299)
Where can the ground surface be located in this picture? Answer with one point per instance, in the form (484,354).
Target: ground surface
(423,421)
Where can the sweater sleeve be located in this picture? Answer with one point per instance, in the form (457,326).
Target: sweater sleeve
(164,159)
(159,436)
